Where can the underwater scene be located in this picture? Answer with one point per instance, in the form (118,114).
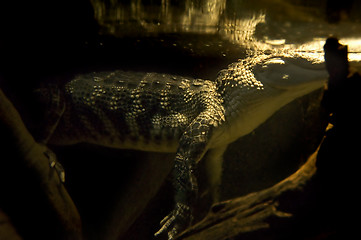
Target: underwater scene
(179,119)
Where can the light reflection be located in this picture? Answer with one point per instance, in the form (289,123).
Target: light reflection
(235,22)
(241,30)
(203,18)
(277,42)
(190,16)
(354,48)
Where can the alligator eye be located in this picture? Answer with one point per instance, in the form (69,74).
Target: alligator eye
(277,61)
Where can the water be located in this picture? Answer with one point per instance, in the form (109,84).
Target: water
(229,25)
(192,37)
(197,38)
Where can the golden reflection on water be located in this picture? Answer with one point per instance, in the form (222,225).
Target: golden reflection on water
(187,16)
(255,26)
(354,48)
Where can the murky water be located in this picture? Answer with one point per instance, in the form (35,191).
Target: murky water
(194,38)
(199,38)
(191,37)
(212,28)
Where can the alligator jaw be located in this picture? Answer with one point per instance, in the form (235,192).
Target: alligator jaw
(292,75)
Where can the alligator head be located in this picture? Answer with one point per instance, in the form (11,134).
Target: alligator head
(255,88)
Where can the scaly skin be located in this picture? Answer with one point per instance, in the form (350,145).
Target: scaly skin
(169,113)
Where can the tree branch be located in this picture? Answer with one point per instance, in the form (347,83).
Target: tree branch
(29,184)
(249,213)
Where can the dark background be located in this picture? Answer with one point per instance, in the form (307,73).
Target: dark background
(51,41)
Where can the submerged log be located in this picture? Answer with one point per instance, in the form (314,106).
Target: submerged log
(32,195)
(251,212)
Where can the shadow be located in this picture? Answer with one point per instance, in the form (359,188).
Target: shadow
(338,173)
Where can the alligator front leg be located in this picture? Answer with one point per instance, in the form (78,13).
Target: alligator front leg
(192,147)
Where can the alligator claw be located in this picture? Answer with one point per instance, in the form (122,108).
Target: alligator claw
(176,221)
(55,164)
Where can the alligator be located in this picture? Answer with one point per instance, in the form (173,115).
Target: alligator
(158,112)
